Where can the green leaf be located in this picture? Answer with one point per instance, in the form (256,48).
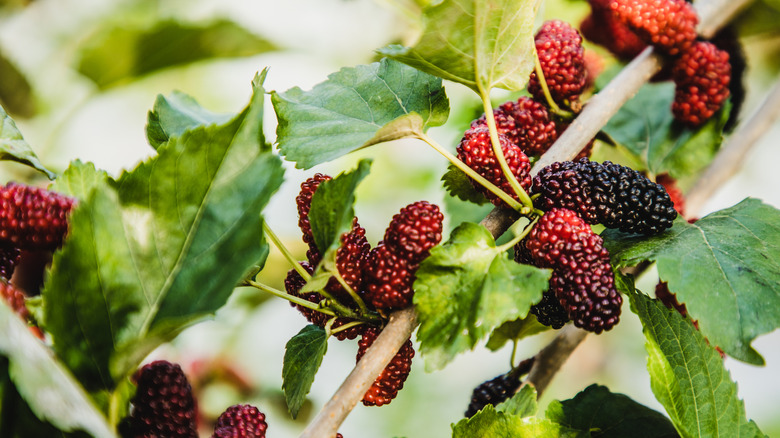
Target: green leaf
(688,377)
(522,404)
(79,179)
(514,331)
(490,423)
(15,92)
(609,415)
(458,184)
(302,358)
(479,43)
(725,268)
(466,288)
(332,211)
(645,125)
(164,44)
(14,148)
(176,114)
(49,389)
(357,107)
(139,263)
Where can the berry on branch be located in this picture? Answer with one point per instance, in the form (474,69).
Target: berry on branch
(241,421)
(669,25)
(386,386)
(701,77)
(33,218)
(163,404)
(388,279)
(414,231)
(562,59)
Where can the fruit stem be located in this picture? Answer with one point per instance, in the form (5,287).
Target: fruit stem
(346,326)
(514,352)
(287,255)
(515,240)
(499,153)
(470,172)
(291,298)
(355,297)
(546,90)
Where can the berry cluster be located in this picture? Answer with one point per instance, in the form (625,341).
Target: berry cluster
(607,193)
(582,280)
(381,277)
(526,127)
(700,70)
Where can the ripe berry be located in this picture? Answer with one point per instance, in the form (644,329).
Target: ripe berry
(701,77)
(669,25)
(476,151)
(549,311)
(607,193)
(33,218)
(414,231)
(163,405)
(241,421)
(493,392)
(559,47)
(386,386)
(388,279)
(9,258)
(588,295)
(604,28)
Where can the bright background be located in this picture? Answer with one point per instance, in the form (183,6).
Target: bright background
(237,356)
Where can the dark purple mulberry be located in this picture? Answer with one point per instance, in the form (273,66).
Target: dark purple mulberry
(163,405)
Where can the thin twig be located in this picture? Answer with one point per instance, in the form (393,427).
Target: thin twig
(732,155)
(600,108)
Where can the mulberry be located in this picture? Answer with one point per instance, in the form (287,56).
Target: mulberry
(604,28)
(701,77)
(241,421)
(669,25)
(613,195)
(414,231)
(561,57)
(163,405)
(303,202)
(588,295)
(33,218)
(549,311)
(476,151)
(388,279)
(493,392)
(386,386)
(553,235)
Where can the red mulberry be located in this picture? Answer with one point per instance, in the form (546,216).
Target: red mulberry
(386,386)
(414,231)
(388,279)
(33,218)
(559,47)
(669,25)
(241,421)
(163,405)
(701,77)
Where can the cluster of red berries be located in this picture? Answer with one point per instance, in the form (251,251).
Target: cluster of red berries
(164,406)
(526,127)
(382,277)
(700,70)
